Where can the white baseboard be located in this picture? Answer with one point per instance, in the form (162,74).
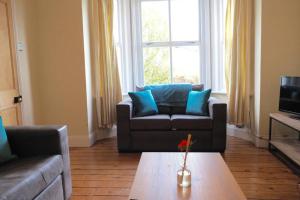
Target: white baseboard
(82,140)
(260,142)
(106,133)
(87,141)
(243,133)
(92,138)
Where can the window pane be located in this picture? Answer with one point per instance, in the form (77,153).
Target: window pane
(156,65)
(155,21)
(186,67)
(185,20)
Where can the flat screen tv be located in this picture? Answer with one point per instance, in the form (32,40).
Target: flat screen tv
(290,95)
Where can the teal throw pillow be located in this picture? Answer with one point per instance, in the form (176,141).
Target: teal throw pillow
(5,152)
(143,103)
(197,103)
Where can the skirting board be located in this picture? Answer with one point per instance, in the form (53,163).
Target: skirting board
(242,133)
(106,133)
(81,140)
(246,134)
(260,142)
(84,141)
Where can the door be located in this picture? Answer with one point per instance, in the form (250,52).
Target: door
(9,107)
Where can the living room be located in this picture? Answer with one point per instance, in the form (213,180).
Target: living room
(129,99)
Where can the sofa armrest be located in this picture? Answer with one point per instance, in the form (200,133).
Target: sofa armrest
(218,112)
(27,141)
(124,115)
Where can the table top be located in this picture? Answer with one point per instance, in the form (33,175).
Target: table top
(287,120)
(156,178)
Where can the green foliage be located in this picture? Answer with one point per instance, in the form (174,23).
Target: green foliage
(156,66)
(157,59)
(155,26)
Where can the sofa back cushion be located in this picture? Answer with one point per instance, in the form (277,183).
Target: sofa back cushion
(5,152)
(170,94)
(164,110)
(171,98)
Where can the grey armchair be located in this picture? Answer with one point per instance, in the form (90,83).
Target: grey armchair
(42,167)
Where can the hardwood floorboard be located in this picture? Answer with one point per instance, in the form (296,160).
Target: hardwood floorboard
(101,173)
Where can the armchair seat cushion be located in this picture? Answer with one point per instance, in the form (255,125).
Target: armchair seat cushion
(28,177)
(190,122)
(152,122)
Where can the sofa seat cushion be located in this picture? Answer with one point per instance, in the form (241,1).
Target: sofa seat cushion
(153,122)
(190,122)
(27,177)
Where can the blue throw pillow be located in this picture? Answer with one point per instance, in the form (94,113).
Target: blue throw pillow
(5,152)
(143,103)
(197,103)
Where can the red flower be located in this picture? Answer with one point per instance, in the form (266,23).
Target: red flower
(182,144)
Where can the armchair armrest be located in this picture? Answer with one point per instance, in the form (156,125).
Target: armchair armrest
(26,141)
(124,115)
(218,112)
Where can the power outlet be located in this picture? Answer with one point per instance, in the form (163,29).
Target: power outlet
(20,46)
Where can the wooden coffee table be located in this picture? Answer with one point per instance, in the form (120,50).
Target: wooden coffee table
(211,179)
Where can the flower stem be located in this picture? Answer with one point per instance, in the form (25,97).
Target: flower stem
(186,153)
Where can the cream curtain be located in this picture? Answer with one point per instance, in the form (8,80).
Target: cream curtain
(238,31)
(104,62)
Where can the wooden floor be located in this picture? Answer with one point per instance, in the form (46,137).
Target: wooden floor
(100,172)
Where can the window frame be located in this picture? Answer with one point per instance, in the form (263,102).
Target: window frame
(140,45)
(211,44)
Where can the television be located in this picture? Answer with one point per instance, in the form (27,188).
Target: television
(289,100)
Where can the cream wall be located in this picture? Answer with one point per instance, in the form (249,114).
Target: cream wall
(56,63)
(25,25)
(277,53)
(56,80)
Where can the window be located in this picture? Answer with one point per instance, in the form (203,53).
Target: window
(172,41)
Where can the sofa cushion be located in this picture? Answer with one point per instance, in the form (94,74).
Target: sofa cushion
(178,110)
(53,192)
(153,122)
(164,110)
(143,103)
(195,87)
(190,122)
(5,151)
(197,103)
(27,177)
(170,94)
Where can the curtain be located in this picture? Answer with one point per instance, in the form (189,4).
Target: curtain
(237,59)
(212,46)
(107,81)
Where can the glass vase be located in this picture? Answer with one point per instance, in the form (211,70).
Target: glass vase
(184,177)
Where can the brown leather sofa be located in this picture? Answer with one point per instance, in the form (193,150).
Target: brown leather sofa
(163,132)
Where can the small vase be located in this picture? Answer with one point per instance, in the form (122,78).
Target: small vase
(184,178)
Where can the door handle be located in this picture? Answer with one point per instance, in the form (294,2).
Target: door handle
(18,99)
